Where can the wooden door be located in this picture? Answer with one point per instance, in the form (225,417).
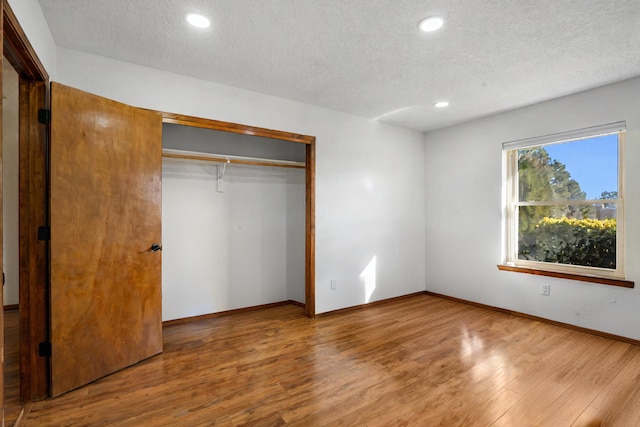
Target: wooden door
(105,199)
(1,249)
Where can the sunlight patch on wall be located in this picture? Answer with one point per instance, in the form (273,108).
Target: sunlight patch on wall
(368,277)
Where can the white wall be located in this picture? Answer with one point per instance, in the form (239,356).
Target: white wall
(10,160)
(369,175)
(464,213)
(32,21)
(223,251)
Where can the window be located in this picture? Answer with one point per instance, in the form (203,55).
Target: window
(564,202)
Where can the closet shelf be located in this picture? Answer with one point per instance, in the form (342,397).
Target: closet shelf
(223,158)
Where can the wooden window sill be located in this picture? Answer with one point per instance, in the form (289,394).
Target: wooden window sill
(569,276)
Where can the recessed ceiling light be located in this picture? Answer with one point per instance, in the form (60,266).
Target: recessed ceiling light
(432,23)
(196,20)
(441,104)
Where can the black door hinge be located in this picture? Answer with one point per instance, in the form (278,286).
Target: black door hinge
(44,116)
(44,349)
(44,233)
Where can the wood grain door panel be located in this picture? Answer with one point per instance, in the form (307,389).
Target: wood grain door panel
(105,214)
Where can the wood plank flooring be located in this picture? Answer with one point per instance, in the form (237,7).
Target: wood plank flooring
(12,405)
(418,361)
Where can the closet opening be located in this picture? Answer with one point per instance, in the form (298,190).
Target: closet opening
(238,218)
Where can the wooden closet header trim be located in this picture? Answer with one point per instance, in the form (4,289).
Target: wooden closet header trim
(179,119)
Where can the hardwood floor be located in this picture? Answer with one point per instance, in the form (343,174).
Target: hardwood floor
(419,361)
(12,405)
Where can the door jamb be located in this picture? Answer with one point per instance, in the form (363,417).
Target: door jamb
(33,206)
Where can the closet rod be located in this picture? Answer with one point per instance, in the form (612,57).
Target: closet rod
(219,158)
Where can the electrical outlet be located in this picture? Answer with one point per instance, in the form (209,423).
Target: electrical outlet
(545,289)
(334,284)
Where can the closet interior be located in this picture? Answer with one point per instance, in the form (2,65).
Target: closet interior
(233,221)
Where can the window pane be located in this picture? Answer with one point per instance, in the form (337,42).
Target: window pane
(574,170)
(582,235)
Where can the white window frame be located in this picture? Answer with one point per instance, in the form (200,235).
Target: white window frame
(512,204)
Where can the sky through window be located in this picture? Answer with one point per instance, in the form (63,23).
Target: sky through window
(592,162)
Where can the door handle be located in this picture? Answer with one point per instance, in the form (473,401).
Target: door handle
(155,248)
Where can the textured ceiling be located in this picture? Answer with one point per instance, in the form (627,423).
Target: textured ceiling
(367,57)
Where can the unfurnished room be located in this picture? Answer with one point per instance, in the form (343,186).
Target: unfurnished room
(320,213)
